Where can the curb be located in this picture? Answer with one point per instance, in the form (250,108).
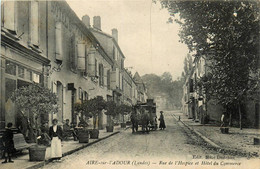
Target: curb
(43,163)
(214,145)
(199,134)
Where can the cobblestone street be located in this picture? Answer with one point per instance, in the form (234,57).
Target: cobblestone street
(176,142)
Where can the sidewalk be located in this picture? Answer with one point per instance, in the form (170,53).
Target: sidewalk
(68,147)
(237,140)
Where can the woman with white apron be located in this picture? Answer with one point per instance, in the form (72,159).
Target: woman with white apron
(55,133)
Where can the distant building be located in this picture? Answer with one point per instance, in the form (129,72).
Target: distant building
(141,89)
(200,106)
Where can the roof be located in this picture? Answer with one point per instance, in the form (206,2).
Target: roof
(108,36)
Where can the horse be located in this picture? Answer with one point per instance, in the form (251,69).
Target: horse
(145,121)
(134,121)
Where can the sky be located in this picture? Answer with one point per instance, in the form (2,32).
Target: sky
(149,43)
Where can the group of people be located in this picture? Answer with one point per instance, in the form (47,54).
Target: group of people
(162,125)
(55,134)
(143,118)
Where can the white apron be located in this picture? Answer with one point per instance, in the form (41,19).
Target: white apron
(56,148)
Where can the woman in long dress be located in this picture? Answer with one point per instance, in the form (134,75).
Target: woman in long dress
(162,125)
(55,133)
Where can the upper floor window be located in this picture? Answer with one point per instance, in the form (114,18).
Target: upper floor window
(8,15)
(101,75)
(34,23)
(10,68)
(81,47)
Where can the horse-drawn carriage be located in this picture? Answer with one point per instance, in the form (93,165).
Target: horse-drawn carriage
(144,115)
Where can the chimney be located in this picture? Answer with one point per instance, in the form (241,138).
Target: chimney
(86,20)
(115,34)
(97,22)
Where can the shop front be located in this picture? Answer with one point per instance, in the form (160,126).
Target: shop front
(20,67)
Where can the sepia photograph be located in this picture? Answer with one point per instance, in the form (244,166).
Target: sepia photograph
(113,84)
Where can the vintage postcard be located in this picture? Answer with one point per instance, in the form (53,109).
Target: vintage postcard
(130,84)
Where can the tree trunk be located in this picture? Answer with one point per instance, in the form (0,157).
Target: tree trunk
(95,121)
(240,116)
(109,121)
(230,119)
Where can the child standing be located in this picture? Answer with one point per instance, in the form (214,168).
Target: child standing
(8,143)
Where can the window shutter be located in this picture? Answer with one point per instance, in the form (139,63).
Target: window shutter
(96,68)
(113,78)
(86,60)
(72,52)
(58,39)
(54,89)
(108,79)
(81,57)
(100,74)
(9,15)
(34,23)
(117,78)
(91,62)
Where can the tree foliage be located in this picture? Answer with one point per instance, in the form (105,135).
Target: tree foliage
(91,107)
(164,86)
(111,108)
(36,99)
(227,33)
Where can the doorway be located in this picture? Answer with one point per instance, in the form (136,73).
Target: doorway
(60,101)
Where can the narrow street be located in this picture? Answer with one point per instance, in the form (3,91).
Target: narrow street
(176,142)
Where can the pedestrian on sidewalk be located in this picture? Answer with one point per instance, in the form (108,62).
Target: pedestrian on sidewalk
(223,119)
(162,125)
(8,143)
(55,133)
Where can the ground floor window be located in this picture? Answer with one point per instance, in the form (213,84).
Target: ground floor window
(15,76)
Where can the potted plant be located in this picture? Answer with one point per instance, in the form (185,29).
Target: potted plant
(38,101)
(82,132)
(110,112)
(123,109)
(96,105)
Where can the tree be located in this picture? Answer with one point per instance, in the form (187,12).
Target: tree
(164,86)
(92,107)
(97,104)
(123,109)
(37,101)
(110,111)
(227,33)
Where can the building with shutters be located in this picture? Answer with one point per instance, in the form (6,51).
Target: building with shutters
(202,107)
(80,66)
(127,88)
(111,47)
(47,43)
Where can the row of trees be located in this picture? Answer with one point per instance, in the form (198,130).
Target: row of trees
(227,34)
(38,102)
(93,107)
